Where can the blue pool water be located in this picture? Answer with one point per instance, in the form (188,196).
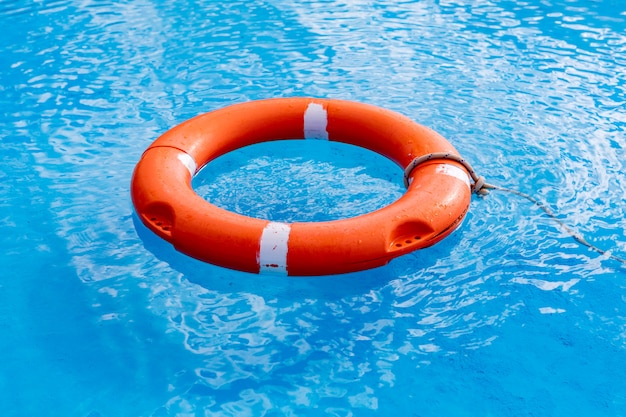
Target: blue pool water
(509,316)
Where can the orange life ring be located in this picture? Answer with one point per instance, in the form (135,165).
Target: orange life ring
(436,201)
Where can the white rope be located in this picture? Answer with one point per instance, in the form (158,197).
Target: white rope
(481,187)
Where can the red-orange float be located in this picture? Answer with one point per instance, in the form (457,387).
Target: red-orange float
(435,203)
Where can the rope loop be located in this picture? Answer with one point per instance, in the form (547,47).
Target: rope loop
(479,187)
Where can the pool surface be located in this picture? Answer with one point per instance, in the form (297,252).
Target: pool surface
(509,316)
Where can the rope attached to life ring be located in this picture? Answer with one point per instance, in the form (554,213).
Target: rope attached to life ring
(481,187)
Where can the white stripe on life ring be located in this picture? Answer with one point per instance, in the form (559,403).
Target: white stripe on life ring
(315,122)
(273,248)
(456,172)
(188,162)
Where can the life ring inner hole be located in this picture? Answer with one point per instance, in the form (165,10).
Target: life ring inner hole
(300,181)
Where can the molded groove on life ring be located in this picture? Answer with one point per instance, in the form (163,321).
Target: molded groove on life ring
(161,217)
(408,234)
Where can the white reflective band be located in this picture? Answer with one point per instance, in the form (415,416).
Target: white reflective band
(273,248)
(456,172)
(315,122)
(188,162)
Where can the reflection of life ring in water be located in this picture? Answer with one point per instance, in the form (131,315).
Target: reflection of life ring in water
(435,203)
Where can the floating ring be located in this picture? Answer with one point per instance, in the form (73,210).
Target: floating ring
(435,203)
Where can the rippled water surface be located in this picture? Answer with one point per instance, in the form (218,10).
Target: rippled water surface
(509,316)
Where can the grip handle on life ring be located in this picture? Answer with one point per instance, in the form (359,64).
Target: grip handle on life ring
(154,205)
(409,234)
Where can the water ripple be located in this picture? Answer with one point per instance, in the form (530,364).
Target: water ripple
(332,181)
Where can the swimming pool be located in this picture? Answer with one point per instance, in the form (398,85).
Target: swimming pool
(508,316)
